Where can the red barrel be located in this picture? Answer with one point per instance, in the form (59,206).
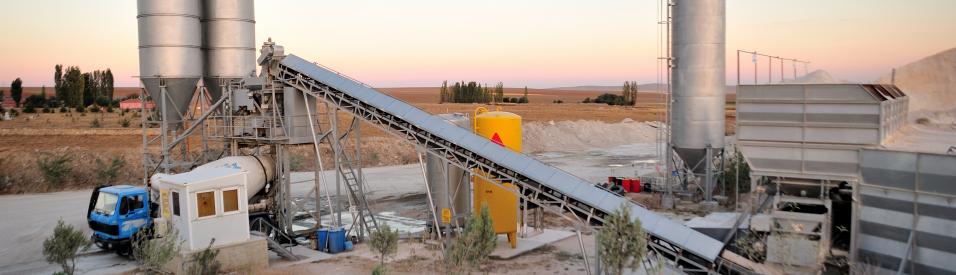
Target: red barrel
(635,186)
(627,185)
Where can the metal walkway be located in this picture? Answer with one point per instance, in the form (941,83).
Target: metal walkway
(540,183)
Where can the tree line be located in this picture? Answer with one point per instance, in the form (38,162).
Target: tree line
(74,88)
(628,96)
(472,92)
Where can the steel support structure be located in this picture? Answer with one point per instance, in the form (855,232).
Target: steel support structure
(531,190)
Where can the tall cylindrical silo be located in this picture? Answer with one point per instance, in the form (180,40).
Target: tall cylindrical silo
(453,190)
(229,38)
(698,50)
(170,53)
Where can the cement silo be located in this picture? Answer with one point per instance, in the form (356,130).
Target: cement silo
(698,50)
(229,38)
(170,53)
(451,189)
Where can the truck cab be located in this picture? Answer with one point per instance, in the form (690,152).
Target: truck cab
(116,213)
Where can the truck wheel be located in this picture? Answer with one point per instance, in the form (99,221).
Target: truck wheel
(102,245)
(123,250)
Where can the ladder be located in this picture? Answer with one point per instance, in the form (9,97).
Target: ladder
(365,219)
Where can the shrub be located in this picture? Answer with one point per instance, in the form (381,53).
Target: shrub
(94,109)
(47,110)
(102,101)
(29,110)
(205,261)
(586,100)
(523,99)
(475,243)
(621,241)
(384,241)
(14,113)
(107,172)
(62,247)
(80,109)
(63,109)
(109,109)
(124,122)
(95,123)
(154,253)
(557,101)
(55,168)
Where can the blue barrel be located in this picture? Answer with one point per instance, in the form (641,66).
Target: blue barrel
(336,240)
(323,234)
(348,246)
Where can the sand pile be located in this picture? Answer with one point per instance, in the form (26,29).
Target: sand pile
(814,77)
(930,82)
(585,134)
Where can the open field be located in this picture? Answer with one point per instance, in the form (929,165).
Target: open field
(31,137)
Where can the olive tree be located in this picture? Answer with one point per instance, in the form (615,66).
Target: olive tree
(384,241)
(62,247)
(622,242)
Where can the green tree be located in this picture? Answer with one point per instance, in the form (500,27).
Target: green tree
(205,262)
(622,242)
(443,94)
(384,241)
(16,90)
(499,92)
(74,85)
(154,253)
(108,83)
(475,243)
(62,247)
(108,171)
(738,172)
(58,82)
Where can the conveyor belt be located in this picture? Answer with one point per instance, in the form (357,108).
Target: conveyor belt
(541,184)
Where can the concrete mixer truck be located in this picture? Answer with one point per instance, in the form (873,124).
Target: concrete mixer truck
(119,214)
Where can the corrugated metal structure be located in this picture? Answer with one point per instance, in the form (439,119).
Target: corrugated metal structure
(814,131)
(906,204)
(229,43)
(170,54)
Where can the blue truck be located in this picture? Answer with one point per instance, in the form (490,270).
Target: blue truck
(118,215)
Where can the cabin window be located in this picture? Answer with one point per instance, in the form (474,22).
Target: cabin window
(230,200)
(206,204)
(175,198)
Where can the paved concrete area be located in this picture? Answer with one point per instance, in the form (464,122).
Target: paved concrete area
(504,251)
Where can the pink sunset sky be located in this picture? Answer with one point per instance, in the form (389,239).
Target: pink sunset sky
(535,43)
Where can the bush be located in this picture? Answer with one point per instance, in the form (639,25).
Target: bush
(47,110)
(63,109)
(62,247)
(205,261)
(95,123)
(94,109)
(557,101)
(29,110)
(506,99)
(523,99)
(154,253)
(102,101)
(475,243)
(14,113)
(109,109)
(622,243)
(107,172)
(124,122)
(55,168)
(80,109)
(586,100)
(384,241)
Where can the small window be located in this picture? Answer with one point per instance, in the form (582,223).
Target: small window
(176,203)
(230,200)
(206,204)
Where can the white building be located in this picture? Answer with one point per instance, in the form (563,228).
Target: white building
(206,204)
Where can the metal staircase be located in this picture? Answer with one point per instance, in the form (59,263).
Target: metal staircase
(365,218)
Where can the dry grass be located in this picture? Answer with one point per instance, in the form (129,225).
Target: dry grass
(28,136)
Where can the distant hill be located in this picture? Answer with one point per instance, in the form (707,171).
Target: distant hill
(652,87)
(930,82)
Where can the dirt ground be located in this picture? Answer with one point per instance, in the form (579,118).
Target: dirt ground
(29,138)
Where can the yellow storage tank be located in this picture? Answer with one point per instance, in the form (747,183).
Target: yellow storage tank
(503,128)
